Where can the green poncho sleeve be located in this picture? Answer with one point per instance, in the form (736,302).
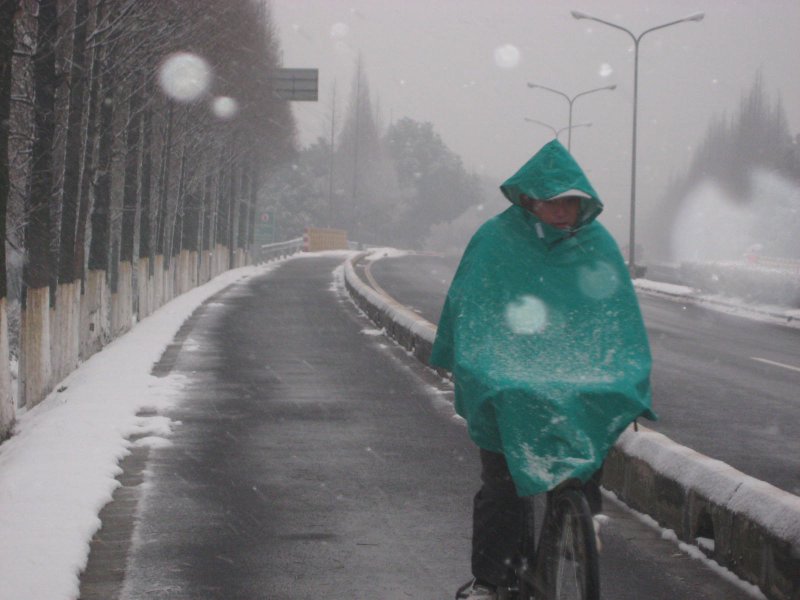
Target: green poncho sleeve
(543,334)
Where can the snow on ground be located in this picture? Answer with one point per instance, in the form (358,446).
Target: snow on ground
(790,317)
(59,468)
(669,289)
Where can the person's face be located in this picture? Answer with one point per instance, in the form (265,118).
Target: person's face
(561,213)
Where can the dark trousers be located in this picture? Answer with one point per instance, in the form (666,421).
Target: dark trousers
(498,520)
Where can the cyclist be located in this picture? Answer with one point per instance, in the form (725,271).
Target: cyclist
(550,359)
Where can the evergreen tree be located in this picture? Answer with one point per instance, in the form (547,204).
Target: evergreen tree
(364,175)
(756,138)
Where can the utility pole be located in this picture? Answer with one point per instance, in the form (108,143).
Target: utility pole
(355,149)
(330,158)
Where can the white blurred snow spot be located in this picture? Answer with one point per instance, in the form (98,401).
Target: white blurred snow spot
(599,281)
(506,56)
(184,76)
(527,315)
(605,70)
(224,107)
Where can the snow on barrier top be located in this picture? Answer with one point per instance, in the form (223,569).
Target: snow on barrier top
(776,510)
(396,312)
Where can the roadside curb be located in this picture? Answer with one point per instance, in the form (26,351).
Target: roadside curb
(748,526)
(790,318)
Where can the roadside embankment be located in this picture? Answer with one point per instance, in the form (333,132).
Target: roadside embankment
(748,526)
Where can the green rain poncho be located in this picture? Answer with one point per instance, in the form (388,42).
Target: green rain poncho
(543,334)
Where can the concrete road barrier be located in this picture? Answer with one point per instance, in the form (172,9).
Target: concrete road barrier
(745,525)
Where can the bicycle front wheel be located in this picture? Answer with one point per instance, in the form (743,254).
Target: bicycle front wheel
(570,560)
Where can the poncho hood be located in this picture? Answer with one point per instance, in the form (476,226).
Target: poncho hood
(544,336)
(551,173)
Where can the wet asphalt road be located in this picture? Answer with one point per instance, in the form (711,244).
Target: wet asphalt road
(312,458)
(712,390)
(308,463)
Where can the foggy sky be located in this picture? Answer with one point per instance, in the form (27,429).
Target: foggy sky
(437,61)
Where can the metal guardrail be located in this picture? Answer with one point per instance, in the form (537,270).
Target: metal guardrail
(269,251)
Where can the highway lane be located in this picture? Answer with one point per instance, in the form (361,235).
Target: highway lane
(724,385)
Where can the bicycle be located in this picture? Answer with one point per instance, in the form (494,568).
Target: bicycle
(564,565)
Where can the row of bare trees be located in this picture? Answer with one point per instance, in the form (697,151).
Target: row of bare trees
(115,196)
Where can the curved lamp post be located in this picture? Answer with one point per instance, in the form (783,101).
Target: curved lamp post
(570,101)
(557,132)
(636,39)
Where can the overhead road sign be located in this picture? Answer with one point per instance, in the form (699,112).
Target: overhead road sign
(296,84)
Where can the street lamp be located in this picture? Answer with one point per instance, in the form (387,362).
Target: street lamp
(557,132)
(636,39)
(570,101)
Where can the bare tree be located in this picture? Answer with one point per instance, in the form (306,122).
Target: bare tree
(7,10)
(38,267)
(68,269)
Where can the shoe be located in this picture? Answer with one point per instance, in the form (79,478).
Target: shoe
(598,520)
(472,590)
